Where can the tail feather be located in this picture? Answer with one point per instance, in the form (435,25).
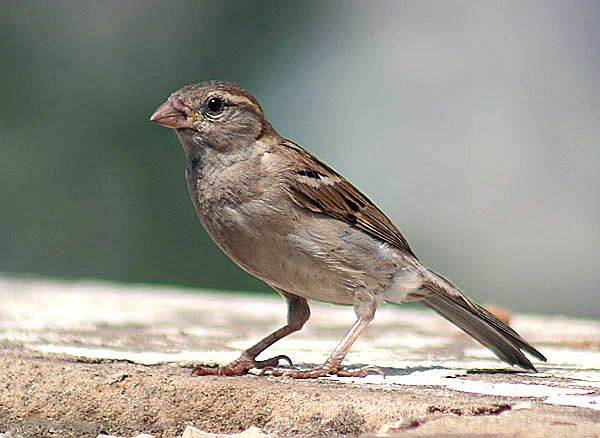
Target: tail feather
(449,302)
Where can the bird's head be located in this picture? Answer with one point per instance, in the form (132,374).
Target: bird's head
(213,114)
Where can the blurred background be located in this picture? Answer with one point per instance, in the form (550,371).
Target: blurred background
(474,125)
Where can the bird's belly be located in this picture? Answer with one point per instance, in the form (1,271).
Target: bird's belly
(269,257)
(325,263)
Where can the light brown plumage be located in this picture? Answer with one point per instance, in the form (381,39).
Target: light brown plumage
(318,188)
(290,220)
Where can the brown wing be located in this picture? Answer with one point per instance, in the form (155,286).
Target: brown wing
(318,188)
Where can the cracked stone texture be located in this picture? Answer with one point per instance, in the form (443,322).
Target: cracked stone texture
(81,359)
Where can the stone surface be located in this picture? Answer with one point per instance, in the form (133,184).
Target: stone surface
(83,359)
(251,432)
(142,435)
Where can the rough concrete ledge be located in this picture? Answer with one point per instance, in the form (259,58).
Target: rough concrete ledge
(85,359)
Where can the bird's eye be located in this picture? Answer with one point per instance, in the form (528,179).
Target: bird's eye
(214,104)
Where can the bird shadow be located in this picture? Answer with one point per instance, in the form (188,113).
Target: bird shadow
(399,372)
(476,371)
(391,371)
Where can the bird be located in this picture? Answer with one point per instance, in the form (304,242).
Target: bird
(290,220)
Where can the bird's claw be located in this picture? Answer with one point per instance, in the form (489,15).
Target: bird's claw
(323,371)
(360,372)
(240,366)
(273,362)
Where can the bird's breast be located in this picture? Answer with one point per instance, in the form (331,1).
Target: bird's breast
(304,253)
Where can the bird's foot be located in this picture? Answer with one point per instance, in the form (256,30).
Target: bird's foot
(240,366)
(324,371)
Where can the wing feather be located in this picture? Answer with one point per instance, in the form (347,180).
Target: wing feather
(315,186)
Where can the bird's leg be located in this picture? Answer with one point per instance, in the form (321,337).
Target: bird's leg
(365,304)
(298,313)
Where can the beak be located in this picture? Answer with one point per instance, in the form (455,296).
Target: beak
(174,114)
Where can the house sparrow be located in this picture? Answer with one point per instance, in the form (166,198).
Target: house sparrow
(290,220)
